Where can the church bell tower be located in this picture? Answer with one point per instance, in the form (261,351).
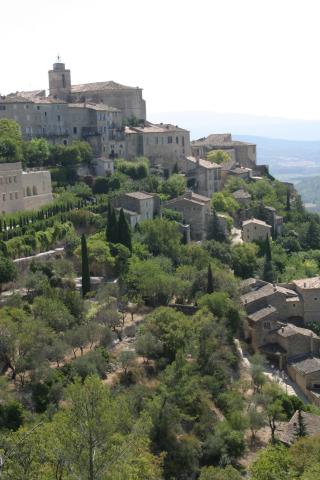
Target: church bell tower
(60,81)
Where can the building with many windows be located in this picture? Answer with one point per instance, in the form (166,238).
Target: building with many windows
(21,190)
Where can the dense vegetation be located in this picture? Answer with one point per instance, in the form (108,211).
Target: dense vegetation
(179,406)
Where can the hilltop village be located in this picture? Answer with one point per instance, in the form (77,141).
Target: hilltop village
(159,295)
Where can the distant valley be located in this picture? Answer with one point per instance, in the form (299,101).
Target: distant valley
(291,148)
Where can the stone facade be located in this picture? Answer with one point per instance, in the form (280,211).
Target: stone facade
(196,211)
(309,291)
(244,153)
(205,176)
(23,190)
(164,144)
(255,230)
(138,206)
(93,112)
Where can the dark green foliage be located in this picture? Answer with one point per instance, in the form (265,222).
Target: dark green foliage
(101,185)
(172,215)
(11,415)
(210,280)
(124,231)
(288,204)
(8,271)
(215,230)
(301,429)
(112,232)
(86,287)
(313,235)
(136,170)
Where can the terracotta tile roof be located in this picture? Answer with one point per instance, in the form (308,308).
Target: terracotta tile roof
(263,313)
(98,86)
(307,365)
(203,163)
(288,434)
(94,106)
(308,283)
(265,292)
(255,221)
(241,193)
(139,195)
(155,128)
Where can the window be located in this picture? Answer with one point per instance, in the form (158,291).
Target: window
(2,107)
(75,130)
(169,139)
(3,197)
(63,81)
(11,196)
(10,179)
(45,114)
(156,140)
(177,140)
(16,195)
(266,325)
(59,118)
(38,108)
(182,138)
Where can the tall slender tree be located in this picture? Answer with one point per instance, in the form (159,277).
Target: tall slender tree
(124,232)
(210,280)
(86,286)
(112,225)
(288,206)
(268,269)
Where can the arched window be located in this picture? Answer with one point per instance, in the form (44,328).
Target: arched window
(34,190)
(28,192)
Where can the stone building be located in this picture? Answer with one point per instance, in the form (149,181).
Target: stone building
(288,432)
(242,197)
(23,190)
(138,206)
(93,112)
(163,144)
(255,230)
(244,153)
(274,313)
(309,291)
(204,176)
(196,211)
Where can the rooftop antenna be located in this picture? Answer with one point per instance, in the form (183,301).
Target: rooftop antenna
(58,58)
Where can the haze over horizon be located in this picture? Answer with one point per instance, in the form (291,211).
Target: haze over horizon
(209,55)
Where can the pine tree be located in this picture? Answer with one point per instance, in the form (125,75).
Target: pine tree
(124,232)
(210,280)
(313,235)
(85,267)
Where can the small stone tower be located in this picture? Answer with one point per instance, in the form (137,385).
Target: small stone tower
(60,81)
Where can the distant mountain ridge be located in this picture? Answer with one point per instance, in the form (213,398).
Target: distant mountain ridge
(202,123)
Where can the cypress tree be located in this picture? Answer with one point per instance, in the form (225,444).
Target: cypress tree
(301,429)
(268,269)
(288,207)
(85,267)
(124,232)
(112,225)
(210,280)
(268,249)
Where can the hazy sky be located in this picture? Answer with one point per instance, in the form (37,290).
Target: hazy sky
(245,56)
